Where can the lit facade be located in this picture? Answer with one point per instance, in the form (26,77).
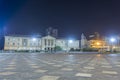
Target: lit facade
(98,44)
(47,43)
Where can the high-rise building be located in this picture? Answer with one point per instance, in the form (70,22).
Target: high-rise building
(55,33)
(84,42)
(52,32)
(49,31)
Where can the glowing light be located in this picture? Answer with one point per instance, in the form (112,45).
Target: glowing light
(112,54)
(34,39)
(98,43)
(114,47)
(70,41)
(98,55)
(112,39)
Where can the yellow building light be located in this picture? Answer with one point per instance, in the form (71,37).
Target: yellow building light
(98,43)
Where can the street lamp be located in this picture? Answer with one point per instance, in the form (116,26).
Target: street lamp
(112,40)
(70,41)
(100,46)
(34,40)
(98,43)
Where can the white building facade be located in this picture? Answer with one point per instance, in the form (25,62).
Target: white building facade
(47,43)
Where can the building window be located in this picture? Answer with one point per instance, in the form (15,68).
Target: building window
(51,42)
(24,42)
(13,39)
(13,44)
(34,44)
(30,44)
(8,39)
(48,42)
(45,42)
(18,39)
(39,44)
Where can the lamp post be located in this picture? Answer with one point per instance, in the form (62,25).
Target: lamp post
(34,40)
(69,42)
(55,45)
(99,47)
(112,40)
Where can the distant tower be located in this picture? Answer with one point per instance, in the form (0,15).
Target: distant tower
(49,31)
(97,35)
(83,41)
(55,33)
(52,32)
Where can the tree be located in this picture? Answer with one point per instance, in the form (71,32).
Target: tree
(57,48)
(90,50)
(72,49)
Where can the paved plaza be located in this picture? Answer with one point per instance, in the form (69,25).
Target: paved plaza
(35,66)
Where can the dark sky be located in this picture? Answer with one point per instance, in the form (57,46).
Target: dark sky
(70,17)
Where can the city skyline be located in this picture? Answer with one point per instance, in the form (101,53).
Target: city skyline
(59,39)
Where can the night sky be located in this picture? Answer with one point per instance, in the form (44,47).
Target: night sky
(70,17)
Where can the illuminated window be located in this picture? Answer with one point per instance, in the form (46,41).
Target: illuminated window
(30,44)
(13,39)
(24,42)
(51,42)
(39,43)
(45,41)
(34,44)
(48,42)
(13,44)
(8,39)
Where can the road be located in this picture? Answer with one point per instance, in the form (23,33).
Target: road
(35,66)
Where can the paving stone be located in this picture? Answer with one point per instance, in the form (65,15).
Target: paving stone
(89,68)
(6,73)
(40,71)
(57,65)
(109,72)
(49,78)
(107,66)
(66,69)
(84,75)
(35,66)
(9,68)
(118,65)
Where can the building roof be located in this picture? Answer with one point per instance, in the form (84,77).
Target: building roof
(37,36)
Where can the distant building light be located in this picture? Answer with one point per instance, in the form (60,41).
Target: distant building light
(34,39)
(98,43)
(112,39)
(70,41)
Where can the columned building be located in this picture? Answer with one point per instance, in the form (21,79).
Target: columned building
(47,43)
